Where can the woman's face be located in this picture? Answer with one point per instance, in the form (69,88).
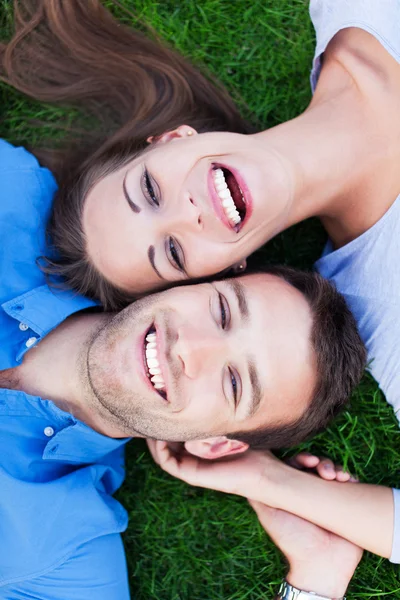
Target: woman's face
(191,206)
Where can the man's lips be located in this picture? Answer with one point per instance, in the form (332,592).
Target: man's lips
(230,196)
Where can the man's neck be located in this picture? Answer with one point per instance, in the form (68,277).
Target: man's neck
(9,379)
(53,369)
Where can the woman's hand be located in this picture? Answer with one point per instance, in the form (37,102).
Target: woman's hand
(319,561)
(243,474)
(324,467)
(250,474)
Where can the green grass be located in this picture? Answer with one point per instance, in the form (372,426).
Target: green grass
(188,544)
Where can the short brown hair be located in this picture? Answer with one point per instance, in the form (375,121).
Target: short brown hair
(340,356)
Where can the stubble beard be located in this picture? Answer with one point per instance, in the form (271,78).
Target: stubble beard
(125,411)
(129,412)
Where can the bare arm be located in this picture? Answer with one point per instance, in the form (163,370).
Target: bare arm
(360,513)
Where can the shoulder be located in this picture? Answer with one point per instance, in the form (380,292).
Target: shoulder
(26,197)
(16,157)
(361,35)
(380,19)
(364,57)
(19,169)
(56,510)
(378,320)
(97,569)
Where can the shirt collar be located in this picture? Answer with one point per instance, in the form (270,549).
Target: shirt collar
(77,442)
(44,308)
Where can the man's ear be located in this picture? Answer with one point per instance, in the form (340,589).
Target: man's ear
(215,447)
(240,266)
(180,132)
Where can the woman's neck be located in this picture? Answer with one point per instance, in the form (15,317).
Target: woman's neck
(338,160)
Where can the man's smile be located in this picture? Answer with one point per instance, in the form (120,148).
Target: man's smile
(153,363)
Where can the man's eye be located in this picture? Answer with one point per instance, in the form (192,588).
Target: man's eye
(234,384)
(175,254)
(149,189)
(224,308)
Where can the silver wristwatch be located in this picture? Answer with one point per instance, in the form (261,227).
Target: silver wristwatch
(288,592)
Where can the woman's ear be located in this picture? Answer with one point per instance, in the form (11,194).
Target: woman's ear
(180,132)
(240,266)
(215,447)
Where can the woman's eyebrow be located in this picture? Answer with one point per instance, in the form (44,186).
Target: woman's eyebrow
(133,206)
(151,253)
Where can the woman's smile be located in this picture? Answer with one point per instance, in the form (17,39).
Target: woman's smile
(231,198)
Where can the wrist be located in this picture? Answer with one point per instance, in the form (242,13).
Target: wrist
(278,483)
(325,582)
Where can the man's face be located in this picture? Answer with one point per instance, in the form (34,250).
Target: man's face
(228,356)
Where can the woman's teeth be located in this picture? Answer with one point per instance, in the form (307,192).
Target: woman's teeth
(226,198)
(153,365)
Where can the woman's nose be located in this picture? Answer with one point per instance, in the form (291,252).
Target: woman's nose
(186,217)
(198,350)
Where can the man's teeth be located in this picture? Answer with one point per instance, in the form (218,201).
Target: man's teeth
(225,195)
(153,365)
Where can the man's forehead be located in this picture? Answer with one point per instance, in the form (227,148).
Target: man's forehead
(264,286)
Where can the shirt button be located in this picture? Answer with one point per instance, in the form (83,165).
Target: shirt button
(30,342)
(48,431)
(23,326)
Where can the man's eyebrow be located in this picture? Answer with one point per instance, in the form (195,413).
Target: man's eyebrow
(134,207)
(150,253)
(256,391)
(239,291)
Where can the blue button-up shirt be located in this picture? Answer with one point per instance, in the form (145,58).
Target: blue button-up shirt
(59,525)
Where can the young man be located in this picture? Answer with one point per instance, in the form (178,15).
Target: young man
(219,365)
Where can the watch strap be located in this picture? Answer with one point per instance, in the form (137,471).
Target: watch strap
(289,592)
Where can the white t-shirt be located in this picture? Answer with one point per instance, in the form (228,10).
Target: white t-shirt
(367,270)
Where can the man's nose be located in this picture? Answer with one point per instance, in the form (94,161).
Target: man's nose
(198,350)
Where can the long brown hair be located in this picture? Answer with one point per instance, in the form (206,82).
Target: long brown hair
(129,86)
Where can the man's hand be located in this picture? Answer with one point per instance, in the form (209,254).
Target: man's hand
(319,561)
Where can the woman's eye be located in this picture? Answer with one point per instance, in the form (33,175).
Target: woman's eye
(234,384)
(175,253)
(224,309)
(149,189)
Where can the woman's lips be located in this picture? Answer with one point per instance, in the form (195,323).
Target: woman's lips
(247,198)
(216,201)
(229,214)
